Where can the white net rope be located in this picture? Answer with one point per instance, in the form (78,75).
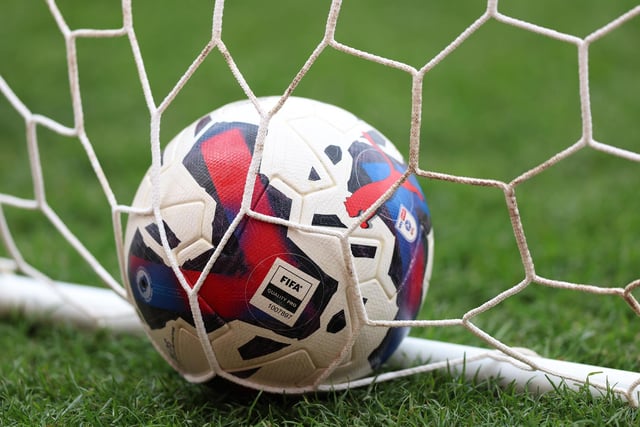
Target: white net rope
(216,44)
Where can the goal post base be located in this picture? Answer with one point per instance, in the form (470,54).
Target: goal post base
(84,306)
(479,364)
(92,307)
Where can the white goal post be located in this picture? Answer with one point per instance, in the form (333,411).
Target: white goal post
(25,290)
(91,307)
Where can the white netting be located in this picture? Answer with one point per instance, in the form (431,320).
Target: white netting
(328,42)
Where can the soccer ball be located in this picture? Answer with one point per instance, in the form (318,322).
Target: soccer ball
(295,265)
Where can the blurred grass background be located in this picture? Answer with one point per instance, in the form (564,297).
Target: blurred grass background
(502,103)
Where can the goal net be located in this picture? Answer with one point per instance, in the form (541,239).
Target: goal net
(51,236)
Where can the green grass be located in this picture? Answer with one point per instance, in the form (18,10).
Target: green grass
(58,376)
(505,101)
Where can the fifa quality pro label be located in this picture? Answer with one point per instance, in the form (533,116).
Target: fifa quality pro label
(284,292)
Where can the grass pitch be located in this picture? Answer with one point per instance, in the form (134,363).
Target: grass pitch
(503,102)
